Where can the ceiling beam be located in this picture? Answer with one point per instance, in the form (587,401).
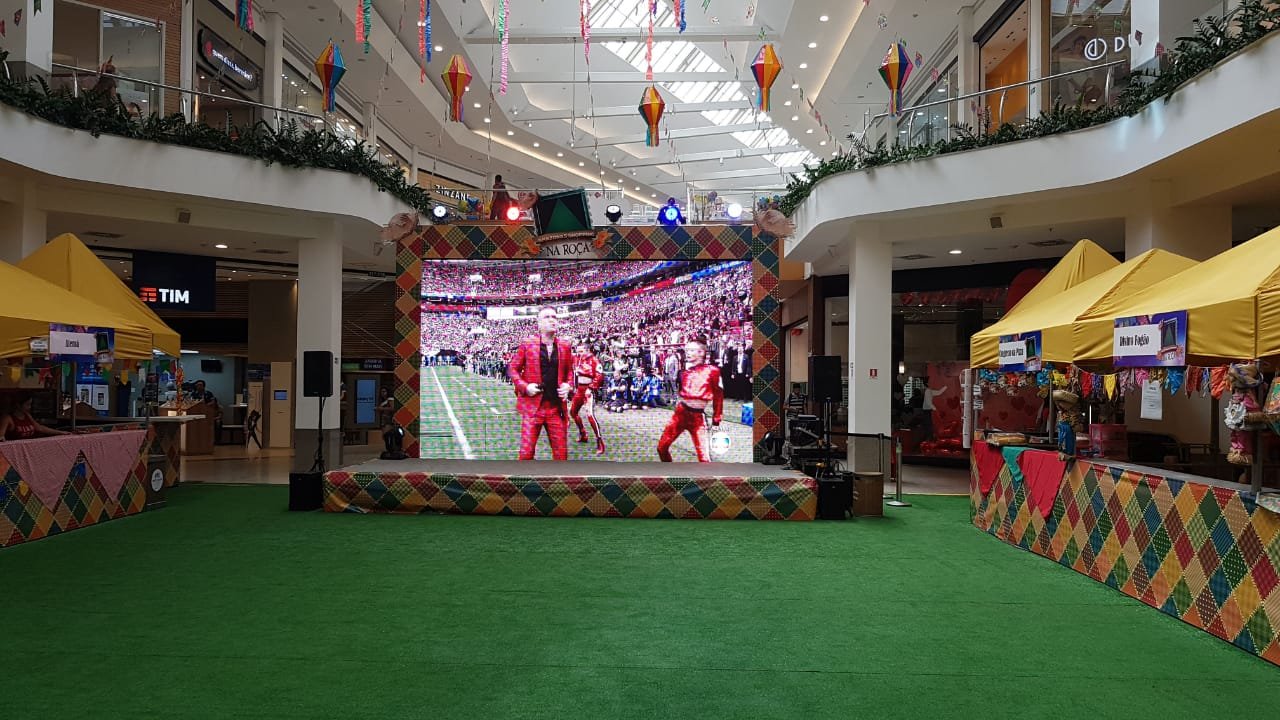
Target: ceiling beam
(636,77)
(686,158)
(557,36)
(629,110)
(763,172)
(708,131)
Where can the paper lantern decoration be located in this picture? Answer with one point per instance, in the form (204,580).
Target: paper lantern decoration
(456,79)
(766,68)
(651,107)
(330,69)
(895,70)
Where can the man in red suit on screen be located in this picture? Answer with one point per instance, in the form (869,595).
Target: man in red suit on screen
(587,377)
(542,371)
(700,387)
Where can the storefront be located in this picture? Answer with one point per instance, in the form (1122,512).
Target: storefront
(228,65)
(1004,59)
(1086,35)
(88,36)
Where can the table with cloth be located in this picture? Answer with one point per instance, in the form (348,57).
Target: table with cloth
(50,485)
(1202,550)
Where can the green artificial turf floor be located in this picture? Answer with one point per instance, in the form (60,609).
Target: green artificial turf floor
(224,605)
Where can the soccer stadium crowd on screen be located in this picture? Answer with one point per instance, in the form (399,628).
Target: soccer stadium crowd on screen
(638,338)
(528,280)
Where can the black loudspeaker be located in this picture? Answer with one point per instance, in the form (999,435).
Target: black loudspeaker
(835,497)
(825,377)
(317,373)
(306,491)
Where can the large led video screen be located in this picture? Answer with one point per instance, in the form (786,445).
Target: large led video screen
(586,360)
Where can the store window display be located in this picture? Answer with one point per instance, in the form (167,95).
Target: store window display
(1085,35)
(93,38)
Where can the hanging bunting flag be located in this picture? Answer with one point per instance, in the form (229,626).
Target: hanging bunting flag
(364,22)
(584,23)
(651,108)
(766,67)
(244,15)
(424,37)
(504,21)
(895,70)
(329,68)
(456,79)
(679,12)
(705,4)
(648,52)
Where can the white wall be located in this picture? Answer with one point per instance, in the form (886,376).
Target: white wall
(1187,419)
(797,357)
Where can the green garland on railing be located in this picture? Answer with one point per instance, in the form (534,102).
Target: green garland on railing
(1215,40)
(291,145)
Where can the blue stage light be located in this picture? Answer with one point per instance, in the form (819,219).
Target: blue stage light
(669,215)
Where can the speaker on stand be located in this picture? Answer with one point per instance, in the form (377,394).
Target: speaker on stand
(306,490)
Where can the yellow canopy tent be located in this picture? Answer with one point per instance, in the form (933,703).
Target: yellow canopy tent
(1084,261)
(66,262)
(1232,303)
(28,305)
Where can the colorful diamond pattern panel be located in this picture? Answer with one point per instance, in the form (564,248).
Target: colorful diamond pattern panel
(651,242)
(1206,555)
(84,501)
(724,498)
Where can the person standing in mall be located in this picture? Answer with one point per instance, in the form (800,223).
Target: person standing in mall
(498,207)
(542,371)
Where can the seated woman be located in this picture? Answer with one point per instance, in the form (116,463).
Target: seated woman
(20,425)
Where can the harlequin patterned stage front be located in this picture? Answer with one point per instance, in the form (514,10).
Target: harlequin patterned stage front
(1207,555)
(564,489)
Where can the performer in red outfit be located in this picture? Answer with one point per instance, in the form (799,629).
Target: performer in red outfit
(700,386)
(542,371)
(587,377)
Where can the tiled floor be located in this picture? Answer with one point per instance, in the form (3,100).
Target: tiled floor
(234,464)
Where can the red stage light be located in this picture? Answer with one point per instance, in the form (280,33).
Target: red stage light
(513,213)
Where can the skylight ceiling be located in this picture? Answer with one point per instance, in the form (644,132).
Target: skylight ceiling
(680,56)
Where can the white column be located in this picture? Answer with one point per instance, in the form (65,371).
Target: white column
(319,327)
(29,42)
(870,340)
(371,125)
(1198,232)
(23,224)
(413,164)
(1036,24)
(272,87)
(187,58)
(966,64)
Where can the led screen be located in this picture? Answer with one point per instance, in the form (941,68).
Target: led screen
(586,360)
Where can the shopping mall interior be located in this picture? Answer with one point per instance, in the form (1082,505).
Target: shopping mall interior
(957,324)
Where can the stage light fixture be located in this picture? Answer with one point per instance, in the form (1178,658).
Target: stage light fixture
(669,216)
(734,211)
(513,213)
(613,213)
(439,212)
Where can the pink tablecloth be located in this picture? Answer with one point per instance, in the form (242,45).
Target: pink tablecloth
(45,463)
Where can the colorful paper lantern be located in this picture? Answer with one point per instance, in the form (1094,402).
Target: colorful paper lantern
(456,79)
(766,68)
(895,70)
(651,108)
(330,69)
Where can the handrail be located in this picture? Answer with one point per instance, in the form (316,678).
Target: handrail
(164,86)
(1003,90)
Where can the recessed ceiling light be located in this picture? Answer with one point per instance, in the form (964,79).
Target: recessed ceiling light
(955,252)
(476,105)
(809,131)
(795,86)
(813,45)
(439,49)
(824,142)
(823,18)
(559,154)
(795,118)
(804,66)
(510,133)
(487,120)
(581,164)
(537,144)
(637,188)
(221,246)
(787,103)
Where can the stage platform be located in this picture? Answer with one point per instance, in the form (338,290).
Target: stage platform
(573,489)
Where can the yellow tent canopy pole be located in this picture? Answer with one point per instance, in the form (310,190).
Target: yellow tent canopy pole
(67,263)
(29,304)
(1082,262)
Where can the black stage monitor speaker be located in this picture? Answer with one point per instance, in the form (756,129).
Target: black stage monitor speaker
(306,491)
(317,373)
(825,377)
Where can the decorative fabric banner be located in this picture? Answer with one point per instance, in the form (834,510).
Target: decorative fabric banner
(989,460)
(424,37)
(43,464)
(112,456)
(244,15)
(504,30)
(679,12)
(1041,472)
(648,52)
(584,23)
(364,22)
